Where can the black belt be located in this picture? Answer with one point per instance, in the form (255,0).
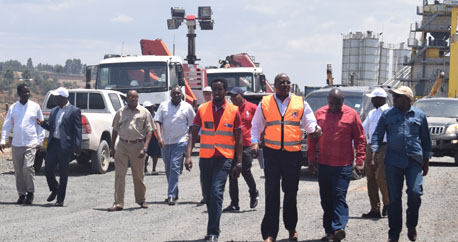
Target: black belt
(384,143)
(131,141)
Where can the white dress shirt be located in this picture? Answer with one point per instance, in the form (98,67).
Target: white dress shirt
(175,121)
(370,123)
(59,116)
(23,120)
(308,120)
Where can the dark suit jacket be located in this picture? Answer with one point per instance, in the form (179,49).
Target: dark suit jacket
(69,130)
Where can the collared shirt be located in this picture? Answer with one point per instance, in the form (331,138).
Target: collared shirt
(175,121)
(342,136)
(59,116)
(217,114)
(308,121)
(133,124)
(407,136)
(370,123)
(247,111)
(23,120)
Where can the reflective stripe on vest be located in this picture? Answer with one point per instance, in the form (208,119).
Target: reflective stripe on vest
(221,139)
(283,132)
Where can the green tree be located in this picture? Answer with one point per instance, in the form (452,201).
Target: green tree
(29,64)
(8,76)
(26,74)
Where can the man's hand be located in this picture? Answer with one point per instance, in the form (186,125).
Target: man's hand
(317,132)
(254,150)
(40,122)
(2,147)
(161,143)
(236,172)
(312,167)
(359,169)
(188,163)
(141,154)
(374,162)
(425,167)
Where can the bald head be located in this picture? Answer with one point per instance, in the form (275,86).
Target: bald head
(335,100)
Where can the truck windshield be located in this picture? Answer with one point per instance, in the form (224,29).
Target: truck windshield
(243,80)
(438,108)
(142,76)
(321,99)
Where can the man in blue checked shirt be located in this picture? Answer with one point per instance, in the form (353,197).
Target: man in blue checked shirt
(408,154)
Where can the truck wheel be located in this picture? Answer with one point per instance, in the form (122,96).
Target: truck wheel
(38,162)
(100,159)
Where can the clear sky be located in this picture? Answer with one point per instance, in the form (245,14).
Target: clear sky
(297,37)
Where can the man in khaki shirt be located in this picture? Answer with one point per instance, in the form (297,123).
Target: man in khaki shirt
(134,125)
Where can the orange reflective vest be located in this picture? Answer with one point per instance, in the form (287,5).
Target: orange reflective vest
(283,132)
(222,138)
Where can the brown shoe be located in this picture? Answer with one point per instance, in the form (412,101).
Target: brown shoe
(412,234)
(115,207)
(293,235)
(269,239)
(143,205)
(339,235)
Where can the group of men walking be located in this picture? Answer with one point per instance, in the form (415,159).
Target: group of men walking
(398,145)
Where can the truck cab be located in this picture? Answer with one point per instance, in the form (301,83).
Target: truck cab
(152,76)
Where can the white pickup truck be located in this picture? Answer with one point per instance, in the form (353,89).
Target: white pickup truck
(98,108)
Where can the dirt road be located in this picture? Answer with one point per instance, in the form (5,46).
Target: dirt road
(84,216)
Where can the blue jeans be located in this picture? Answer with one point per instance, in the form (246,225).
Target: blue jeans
(333,182)
(172,155)
(395,181)
(213,175)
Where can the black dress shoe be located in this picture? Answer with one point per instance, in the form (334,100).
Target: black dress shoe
(231,208)
(211,238)
(29,198)
(254,200)
(385,210)
(327,237)
(52,196)
(412,234)
(20,200)
(59,204)
(202,201)
(338,235)
(372,214)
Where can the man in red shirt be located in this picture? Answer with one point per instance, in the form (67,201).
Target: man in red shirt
(220,146)
(342,136)
(246,111)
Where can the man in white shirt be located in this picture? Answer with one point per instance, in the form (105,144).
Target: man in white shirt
(376,173)
(174,118)
(27,138)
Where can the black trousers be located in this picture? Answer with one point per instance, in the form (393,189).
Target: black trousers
(55,155)
(281,166)
(247,160)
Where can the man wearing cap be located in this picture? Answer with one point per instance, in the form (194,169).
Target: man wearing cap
(27,139)
(342,141)
(407,157)
(174,118)
(207,93)
(154,151)
(134,125)
(246,111)
(280,116)
(375,173)
(64,126)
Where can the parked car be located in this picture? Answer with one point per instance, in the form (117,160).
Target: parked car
(442,115)
(98,108)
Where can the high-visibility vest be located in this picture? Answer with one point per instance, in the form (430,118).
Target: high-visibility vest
(283,132)
(222,138)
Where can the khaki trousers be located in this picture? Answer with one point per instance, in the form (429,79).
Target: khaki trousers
(126,152)
(23,158)
(376,179)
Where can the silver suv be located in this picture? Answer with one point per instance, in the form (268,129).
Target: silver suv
(98,108)
(442,115)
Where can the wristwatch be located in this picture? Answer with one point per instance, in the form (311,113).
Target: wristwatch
(238,165)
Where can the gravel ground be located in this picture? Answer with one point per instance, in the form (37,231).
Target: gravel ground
(84,216)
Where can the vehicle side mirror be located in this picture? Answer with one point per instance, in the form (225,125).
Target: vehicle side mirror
(180,75)
(88,77)
(262,81)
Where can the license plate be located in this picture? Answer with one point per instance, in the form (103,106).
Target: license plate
(45,143)
(433,142)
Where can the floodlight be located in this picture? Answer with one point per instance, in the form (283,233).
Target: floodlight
(206,24)
(178,12)
(173,23)
(205,12)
